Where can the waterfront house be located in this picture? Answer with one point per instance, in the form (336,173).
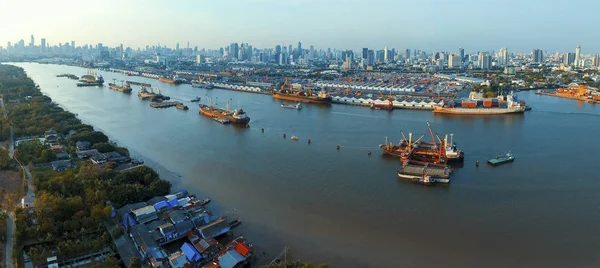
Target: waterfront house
(61,165)
(98,158)
(115,157)
(208,248)
(27,201)
(168,231)
(126,214)
(82,145)
(145,214)
(231,259)
(190,252)
(184,227)
(214,229)
(145,241)
(178,260)
(177,216)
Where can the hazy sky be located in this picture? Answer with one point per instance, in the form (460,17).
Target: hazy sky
(519,25)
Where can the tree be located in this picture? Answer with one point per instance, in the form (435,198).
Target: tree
(135,262)
(47,156)
(4,159)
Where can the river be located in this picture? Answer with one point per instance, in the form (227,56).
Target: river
(346,208)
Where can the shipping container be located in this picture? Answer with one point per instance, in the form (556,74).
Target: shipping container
(479,103)
(487,103)
(494,100)
(503,106)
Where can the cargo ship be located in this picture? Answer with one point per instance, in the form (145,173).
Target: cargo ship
(476,105)
(424,173)
(146,94)
(91,79)
(301,96)
(125,88)
(171,80)
(402,149)
(438,152)
(383,106)
(224,116)
(501,159)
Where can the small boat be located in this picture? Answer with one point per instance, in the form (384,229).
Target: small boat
(181,106)
(295,138)
(502,159)
(197,99)
(298,106)
(205,201)
(233,224)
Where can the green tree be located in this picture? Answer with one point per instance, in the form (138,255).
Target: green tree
(135,262)
(4,159)
(47,156)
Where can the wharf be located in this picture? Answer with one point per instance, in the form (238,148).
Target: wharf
(165,104)
(137,83)
(567,96)
(241,90)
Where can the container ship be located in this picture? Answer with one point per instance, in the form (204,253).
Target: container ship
(91,79)
(424,173)
(224,116)
(476,105)
(125,88)
(171,80)
(301,96)
(146,94)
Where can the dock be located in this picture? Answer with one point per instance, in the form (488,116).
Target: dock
(595,99)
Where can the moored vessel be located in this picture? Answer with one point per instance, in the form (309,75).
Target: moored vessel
(476,105)
(125,88)
(148,94)
(297,106)
(91,79)
(301,96)
(171,80)
(424,173)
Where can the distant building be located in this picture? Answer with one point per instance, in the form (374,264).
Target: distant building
(461,53)
(596,61)
(503,57)
(234,50)
(454,61)
(538,55)
(27,201)
(577,53)
(484,61)
(569,58)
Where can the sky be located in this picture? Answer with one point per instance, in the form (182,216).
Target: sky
(431,25)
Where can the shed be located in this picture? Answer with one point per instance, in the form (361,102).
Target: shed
(230,259)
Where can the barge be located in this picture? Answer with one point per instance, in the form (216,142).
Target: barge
(424,173)
(502,159)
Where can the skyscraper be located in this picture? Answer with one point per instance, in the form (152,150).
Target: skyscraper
(407,54)
(72,44)
(569,58)
(365,51)
(461,53)
(32,41)
(177,47)
(299,47)
(538,55)
(385,54)
(234,50)
(577,54)
(43,44)
(484,61)
(454,61)
(371,57)
(503,57)
(596,61)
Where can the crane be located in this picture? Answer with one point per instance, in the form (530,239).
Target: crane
(435,143)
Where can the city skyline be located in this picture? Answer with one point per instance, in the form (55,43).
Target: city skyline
(218,23)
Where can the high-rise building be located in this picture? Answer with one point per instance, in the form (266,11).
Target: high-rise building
(385,54)
(371,57)
(379,56)
(43,44)
(365,51)
(407,54)
(484,61)
(299,47)
(569,58)
(177,47)
(32,44)
(538,55)
(454,61)
(577,54)
(72,44)
(596,61)
(461,53)
(503,57)
(234,51)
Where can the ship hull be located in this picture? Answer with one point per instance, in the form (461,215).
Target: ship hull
(305,99)
(478,111)
(169,81)
(121,89)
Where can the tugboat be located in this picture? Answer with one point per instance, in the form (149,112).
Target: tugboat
(502,159)
(181,106)
(197,99)
(298,106)
(224,116)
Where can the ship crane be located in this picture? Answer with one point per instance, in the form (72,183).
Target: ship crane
(435,143)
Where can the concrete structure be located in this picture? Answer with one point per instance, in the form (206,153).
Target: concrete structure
(538,55)
(454,61)
(577,53)
(503,57)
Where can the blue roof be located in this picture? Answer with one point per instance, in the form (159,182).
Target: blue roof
(160,205)
(190,252)
(230,259)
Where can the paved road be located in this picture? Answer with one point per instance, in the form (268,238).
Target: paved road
(10,222)
(29,180)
